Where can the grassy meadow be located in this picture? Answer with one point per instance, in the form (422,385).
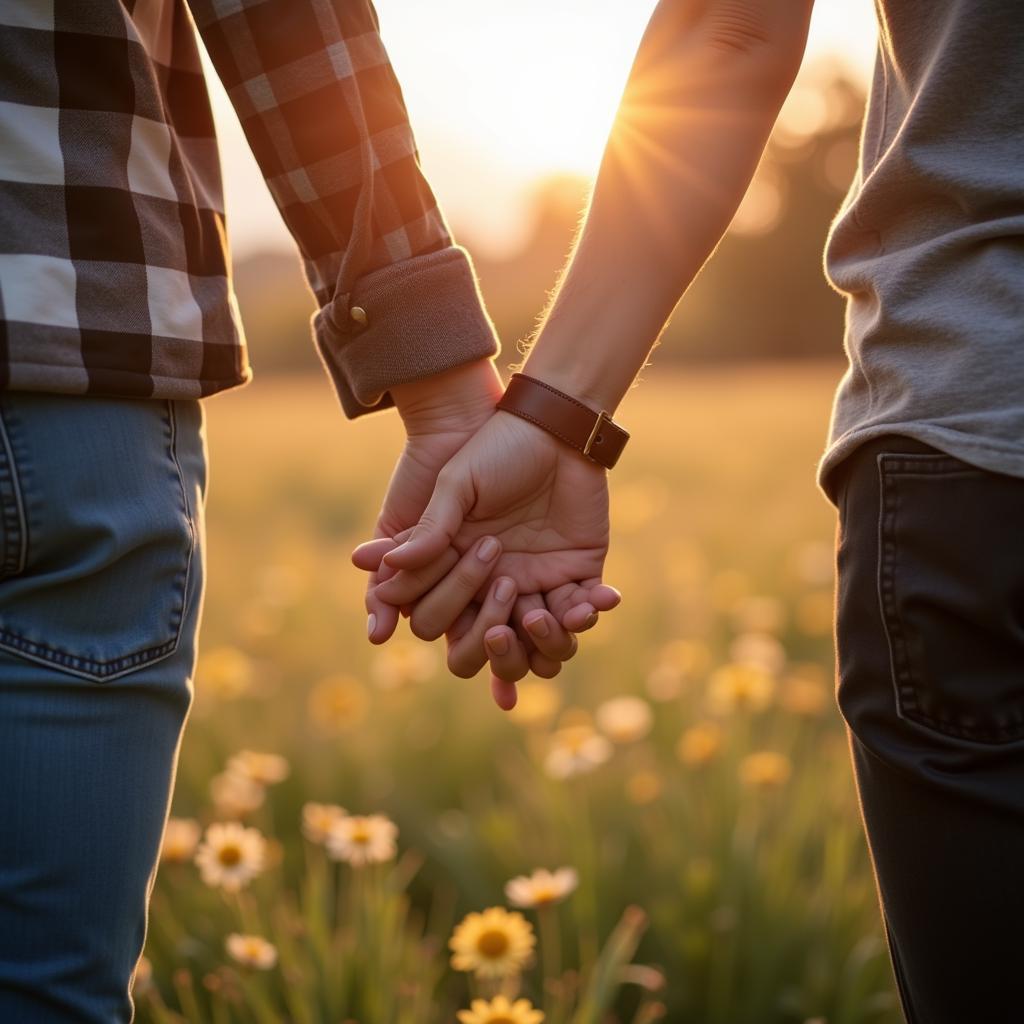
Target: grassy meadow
(717,870)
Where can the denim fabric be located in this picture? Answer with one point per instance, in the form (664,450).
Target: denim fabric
(101,576)
(930,643)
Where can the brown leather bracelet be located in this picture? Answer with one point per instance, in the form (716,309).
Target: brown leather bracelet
(593,434)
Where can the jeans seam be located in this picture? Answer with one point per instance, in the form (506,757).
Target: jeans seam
(13,509)
(887,507)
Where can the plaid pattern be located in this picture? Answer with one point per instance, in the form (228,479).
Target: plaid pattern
(114,266)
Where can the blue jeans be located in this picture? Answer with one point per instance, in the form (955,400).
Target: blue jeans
(101,581)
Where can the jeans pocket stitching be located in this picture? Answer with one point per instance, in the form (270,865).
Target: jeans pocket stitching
(888,508)
(891,466)
(97,670)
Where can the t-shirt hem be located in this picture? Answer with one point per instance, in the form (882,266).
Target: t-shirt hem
(980,452)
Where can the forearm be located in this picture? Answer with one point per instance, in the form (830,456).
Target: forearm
(701,100)
(398,299)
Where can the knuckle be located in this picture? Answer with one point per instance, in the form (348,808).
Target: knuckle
(465,578)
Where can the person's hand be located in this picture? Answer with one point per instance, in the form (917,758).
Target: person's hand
(468,606)
(440,414)
(544,503)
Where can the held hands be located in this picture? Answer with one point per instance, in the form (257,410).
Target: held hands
(505,555)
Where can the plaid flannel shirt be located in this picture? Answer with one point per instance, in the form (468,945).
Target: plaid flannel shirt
(114,265)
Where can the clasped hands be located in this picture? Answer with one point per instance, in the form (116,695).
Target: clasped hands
(492,534)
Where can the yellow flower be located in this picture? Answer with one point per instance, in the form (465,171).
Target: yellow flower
(181,836)
(740,687)
(542,887)
(230,856)
(224,672)
(537,704)
(624,719)
(264,769)
(576,749)
(251,951)
(765,769)
(699,744)
(362,840)
(495,944)
(403,664)
(317,820)
(338,703)
(500,1011)
(643,787)
(235,795)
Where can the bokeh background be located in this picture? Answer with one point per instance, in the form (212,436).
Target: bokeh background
(710,817)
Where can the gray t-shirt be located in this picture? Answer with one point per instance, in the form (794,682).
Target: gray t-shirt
(929,243)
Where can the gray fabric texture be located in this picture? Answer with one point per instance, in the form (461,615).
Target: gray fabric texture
(929,242)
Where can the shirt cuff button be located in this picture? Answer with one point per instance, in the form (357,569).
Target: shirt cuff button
(358,314)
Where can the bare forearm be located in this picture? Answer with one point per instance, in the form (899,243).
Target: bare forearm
(701,100)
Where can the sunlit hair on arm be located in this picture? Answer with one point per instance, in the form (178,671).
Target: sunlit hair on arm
(702,96)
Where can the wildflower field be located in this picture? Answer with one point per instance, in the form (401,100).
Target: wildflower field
(668,830)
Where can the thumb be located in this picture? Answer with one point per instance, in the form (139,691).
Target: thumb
(440,522)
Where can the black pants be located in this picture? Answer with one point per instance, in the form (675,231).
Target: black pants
(930,640)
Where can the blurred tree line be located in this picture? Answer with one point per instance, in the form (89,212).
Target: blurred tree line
(763,295)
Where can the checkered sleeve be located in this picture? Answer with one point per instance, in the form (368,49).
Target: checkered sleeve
(324,115)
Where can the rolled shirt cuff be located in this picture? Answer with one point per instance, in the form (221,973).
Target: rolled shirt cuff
(404,322)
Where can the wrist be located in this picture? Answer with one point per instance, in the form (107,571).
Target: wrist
(572,380)
(583,360)
(594,434)
(458,399)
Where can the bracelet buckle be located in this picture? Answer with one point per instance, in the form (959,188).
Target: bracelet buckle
(602,418)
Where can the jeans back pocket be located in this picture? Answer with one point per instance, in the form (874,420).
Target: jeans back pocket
(99,526)
(951,589)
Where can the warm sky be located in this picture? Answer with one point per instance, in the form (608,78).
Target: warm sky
(503,91)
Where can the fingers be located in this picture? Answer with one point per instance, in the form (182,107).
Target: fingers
(404,586)
(547,643)
(548,636)
(506,654)
(435,613)
(466,653)
(576,605)
(382,618)
(504,693)
(368,555)
(441,519)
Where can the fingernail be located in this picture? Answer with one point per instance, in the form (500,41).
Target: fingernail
(498,644)
(538,626)
(487,550)
(504,590)
(371,624)
(590,621)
